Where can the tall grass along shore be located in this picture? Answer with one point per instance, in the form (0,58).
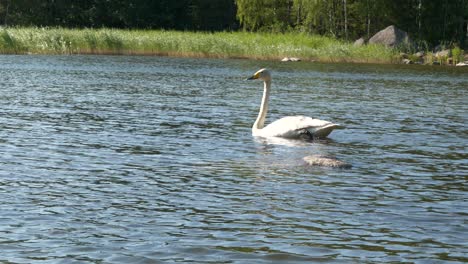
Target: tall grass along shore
(187,44)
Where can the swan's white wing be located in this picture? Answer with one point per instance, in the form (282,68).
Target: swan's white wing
(295,126)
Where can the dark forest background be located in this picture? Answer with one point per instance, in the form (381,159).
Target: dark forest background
(431,22)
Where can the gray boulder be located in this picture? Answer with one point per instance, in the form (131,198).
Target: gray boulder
(419,54)
(391,36)
(359,42)
(407,61)
(443,53)
(439,48)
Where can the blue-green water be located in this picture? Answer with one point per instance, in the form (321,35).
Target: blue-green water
(116,159)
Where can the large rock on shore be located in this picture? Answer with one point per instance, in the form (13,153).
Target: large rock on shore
(443,53)
(359,42)
(391,36)
(407,61)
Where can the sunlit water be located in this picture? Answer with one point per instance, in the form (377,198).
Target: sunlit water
(151,160)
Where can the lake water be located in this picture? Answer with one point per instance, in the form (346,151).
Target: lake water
(116,159)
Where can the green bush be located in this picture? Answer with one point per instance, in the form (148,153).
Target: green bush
(457,55)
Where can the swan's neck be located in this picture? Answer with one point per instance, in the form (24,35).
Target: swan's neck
(260,122)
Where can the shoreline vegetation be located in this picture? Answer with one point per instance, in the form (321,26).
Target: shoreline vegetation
(245,45)
(227,45)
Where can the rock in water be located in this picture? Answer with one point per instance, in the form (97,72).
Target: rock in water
(326,161)
(291,59)
(391,36)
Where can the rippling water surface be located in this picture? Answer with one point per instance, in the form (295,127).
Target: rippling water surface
(150,160)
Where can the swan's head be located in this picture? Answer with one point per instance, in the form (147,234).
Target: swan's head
(262,74)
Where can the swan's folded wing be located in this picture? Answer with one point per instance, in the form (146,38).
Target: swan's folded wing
(293,126)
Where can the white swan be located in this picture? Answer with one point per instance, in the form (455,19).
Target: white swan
(289,126)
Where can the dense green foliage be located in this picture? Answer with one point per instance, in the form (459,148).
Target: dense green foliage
(143,14)
(430,21)
(178,43)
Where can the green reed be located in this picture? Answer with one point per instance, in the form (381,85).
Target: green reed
(33,40)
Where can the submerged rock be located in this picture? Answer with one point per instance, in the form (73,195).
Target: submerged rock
(391,36)
(326,161)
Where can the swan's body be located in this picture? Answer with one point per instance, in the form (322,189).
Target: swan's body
(289,126)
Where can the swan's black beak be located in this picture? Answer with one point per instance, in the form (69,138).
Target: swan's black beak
(255,76)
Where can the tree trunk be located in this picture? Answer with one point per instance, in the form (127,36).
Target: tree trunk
(330,19)
(419,18)
(299,14)
(345,20)
(445,19)
(5,20)
(368,19)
